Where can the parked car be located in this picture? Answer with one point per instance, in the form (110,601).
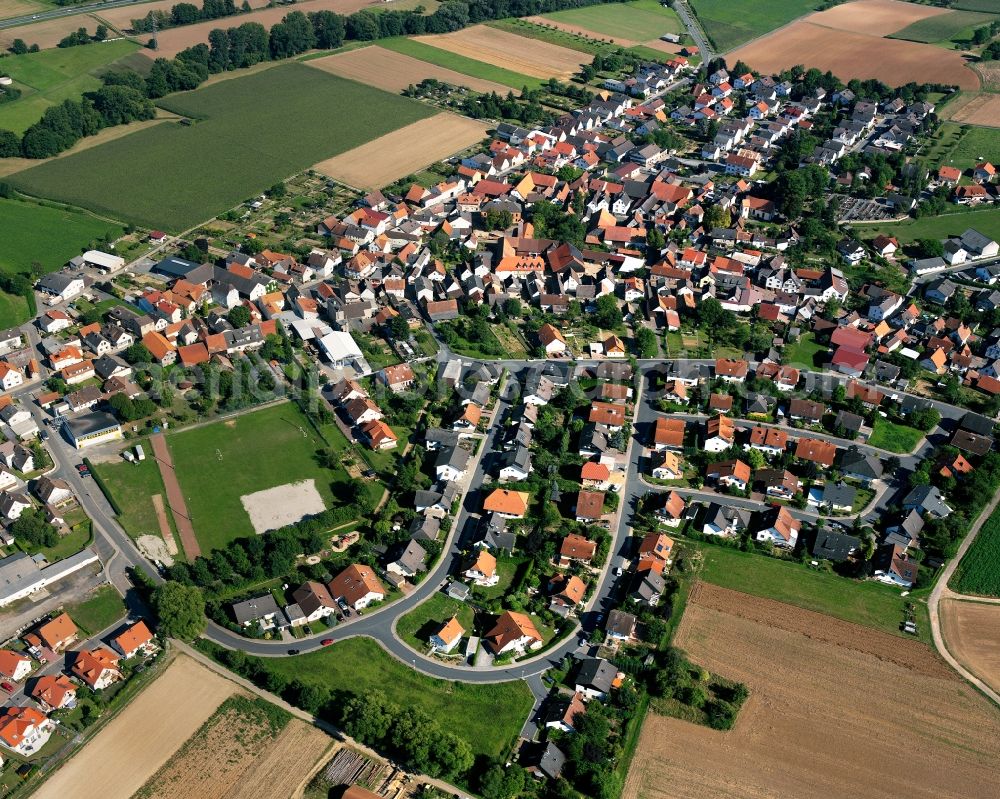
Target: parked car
(293,651)
(83,469)
(326,641)
(7,687)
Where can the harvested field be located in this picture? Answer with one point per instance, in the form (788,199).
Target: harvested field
(990,72)
(15,8)
(172,41)
(180,701)
(850,55)
(983,110)
(510,51)
(47,33)
(121,18)
(834,708)
(971,632)
(874,17)
(285,504)
(394,71)
(579,31)
(404,151)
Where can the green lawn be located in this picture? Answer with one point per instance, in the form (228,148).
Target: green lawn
(806,352)
(173,176)
(979,571)
(943,28)
(976,5)
(894,437)
(460,63)
(488,717)
(730,23)
(48,77)
(76,539)
(868,603)
(964,146)
(985,220)
(641,20)
(102,610)
(220,462)
(132,485)
(426,619)
(13,310)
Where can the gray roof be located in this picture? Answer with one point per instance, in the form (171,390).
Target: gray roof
(927,499)
(519,458)
(596,673)
(90,423)
(834,546)
(412,557)
(255,609)
(454,456)
(551,761)
(56,282)
(839,494)
(854,461)
(425,528)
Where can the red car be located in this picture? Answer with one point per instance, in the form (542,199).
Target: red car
(326,641)
(7,687)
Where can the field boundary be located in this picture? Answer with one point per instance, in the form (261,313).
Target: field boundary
(175,497)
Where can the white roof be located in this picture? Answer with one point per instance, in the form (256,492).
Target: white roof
(339,346)
(98,258)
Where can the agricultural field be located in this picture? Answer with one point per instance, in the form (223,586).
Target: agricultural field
(973,144)
(121,18)
(979,571)
(392,71)
(487,716)
(181,699)
(894,437)
(510,51)
(730,23)
(51,76)
(211,462)
(230,131)
(875,17)
(47,33)
(17,8)
(986,221)
(971,631)
(944,28)
(637,21)
(388,158)
(866,603)
(247,749)
(426,51)
(831,693)
(984,109)
(46,233)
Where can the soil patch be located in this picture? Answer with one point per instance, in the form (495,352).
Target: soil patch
(175,497)
(153,548)
(404,151)
(825,717)
(164,523)
(854,55)
(136,744)
(285,504)
(982,110)
(510,51)
(394,71)
(972,633)
(874,17)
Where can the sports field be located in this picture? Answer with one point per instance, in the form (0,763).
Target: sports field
(221,462)
(173,176)
(51,76)
(636,21)
(424,51)
(730,23)
(942,28)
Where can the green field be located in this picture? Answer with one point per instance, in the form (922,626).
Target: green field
(220,462)
(247,134)
(101,610)
(894,437)
(427,617)
(132,485)
(868,603)
(954,25)
(51,76)
(13,310)
(985,220)
(459,63)
(964,146)
(976,5)
(979,571)
(730,23)
(806,352)
(543,33)
(640,21)
(488,717)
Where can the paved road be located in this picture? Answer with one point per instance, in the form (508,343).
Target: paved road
(687,16)
(67,11)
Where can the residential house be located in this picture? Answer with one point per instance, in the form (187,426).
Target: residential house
(514,633)
(356,587)
(779,527)
(98,668)
(447,636)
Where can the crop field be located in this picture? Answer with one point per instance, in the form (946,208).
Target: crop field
(220,462)
(944,27)
(730,23)
(16,8)
(637,21)
(234,134)
(45,233)
(47,33)
(247,749)
(971,631)
(974,145)
(426,51)
(392,71)
(823,718)
(388,158)
(510,51)
(487,716)
(975,5)
(875,17)
(51,76)
(180,700)
(121,18)
(981,110)
(979,571)
(849,55)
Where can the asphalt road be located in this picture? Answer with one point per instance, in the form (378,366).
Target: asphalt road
(66,11)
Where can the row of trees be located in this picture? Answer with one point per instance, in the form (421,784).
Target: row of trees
(186,14)
(80,36)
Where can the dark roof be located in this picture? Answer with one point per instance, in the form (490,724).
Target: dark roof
(596,673)
(834,546)
(974,423)
(90,423)
(174,267)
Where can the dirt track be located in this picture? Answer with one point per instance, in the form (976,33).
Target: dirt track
(972,632)
(839,714)
(175,497)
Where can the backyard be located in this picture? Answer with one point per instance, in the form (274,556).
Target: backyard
(894,437)
(424,620)
(806,352)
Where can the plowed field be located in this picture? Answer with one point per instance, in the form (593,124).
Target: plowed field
(972,634)
(874,17)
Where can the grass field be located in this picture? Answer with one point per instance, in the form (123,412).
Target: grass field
(943,28)
(13,310)
(102,610)
(488,717)
(460,63)
(220,462)
(979,571)
(427,617)
(48,77)
(868,603)
(132,485)
(894,437)
(730,23)
(976,5)
(640,20)
(563,38)
(964,146)
(236,147)
(985,220)
(806,352)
